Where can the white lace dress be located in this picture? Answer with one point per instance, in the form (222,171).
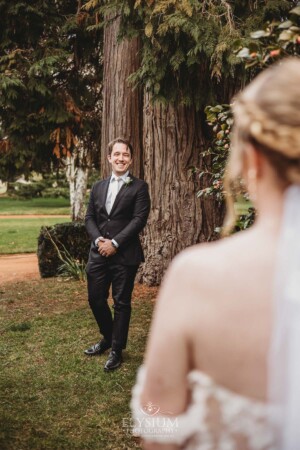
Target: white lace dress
(219,419)
(216,419)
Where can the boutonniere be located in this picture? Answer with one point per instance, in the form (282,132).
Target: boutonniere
(128,180)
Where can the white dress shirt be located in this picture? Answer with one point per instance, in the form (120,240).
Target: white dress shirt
(111,196)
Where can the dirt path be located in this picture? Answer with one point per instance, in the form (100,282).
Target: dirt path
(18,267)
(21,266)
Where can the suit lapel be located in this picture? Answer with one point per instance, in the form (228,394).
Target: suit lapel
(121,193)
(104,192)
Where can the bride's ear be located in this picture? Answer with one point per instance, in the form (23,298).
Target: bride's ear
(253,161)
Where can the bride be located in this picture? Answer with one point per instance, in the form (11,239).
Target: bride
(222,367)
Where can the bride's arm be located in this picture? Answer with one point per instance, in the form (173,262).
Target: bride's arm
(167,355)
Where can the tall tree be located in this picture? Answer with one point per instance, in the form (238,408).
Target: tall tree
(187,62)
(122,107)
(50,85)
(174,140)
(86,90)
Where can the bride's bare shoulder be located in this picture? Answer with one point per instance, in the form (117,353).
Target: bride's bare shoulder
(209,263)
(218,252)
(227,266)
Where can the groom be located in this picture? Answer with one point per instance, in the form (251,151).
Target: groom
(117,211)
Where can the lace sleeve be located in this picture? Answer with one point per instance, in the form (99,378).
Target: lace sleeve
(152,425)
(216,418)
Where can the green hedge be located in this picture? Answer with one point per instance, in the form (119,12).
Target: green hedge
(72,236)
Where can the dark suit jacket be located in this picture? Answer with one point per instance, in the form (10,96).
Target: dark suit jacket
(127,218)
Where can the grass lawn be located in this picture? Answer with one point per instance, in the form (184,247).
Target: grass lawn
(34,206)
(51,395)
(20,235)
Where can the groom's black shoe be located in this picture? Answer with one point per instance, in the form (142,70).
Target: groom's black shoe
(98,348)
(114,360)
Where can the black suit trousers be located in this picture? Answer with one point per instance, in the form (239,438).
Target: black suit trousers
(102,275)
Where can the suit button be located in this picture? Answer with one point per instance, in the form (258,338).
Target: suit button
(107,233)
(108,220)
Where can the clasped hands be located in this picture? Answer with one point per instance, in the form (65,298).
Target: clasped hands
(105,247)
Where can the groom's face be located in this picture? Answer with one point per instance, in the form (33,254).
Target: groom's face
(120,159)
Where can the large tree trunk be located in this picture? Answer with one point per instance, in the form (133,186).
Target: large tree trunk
(122,106)
(167,141)
(173,142)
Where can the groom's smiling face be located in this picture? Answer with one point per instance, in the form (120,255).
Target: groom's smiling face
(120,159)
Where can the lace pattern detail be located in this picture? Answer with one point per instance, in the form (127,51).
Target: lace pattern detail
(216,419)
(159,428)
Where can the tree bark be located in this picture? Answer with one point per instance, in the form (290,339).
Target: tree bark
(77,170)
(122,106)
(173,143)
(167,142)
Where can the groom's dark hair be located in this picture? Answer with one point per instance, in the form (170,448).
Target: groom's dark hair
(120,140)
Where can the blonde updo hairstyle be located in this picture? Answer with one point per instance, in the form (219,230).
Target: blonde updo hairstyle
(266,115)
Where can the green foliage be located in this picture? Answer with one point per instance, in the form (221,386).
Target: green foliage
(63,249)
(188,45)
(50,83)
(26,191)
(245,220)
(56,192)
(69,267)
(50,186)
(276,40)
(72,268)
(220,118)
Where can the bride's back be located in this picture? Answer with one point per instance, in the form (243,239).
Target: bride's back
(230,326)
(217,322)
(220,296)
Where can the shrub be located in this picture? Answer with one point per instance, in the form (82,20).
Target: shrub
(56,192)
(26,191)
(50,185)
(71,236)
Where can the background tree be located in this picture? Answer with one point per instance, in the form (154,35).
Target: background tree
(186,62)
(50,85)
(122,107)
